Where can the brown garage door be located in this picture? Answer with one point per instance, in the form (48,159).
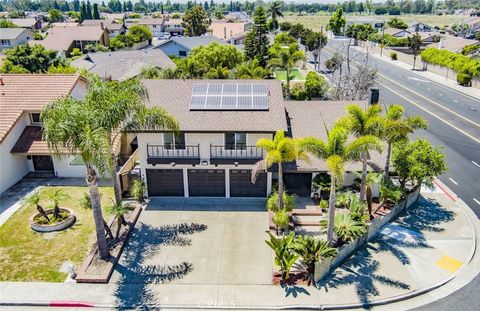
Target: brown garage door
(165,182)
(241,184)
(206,183)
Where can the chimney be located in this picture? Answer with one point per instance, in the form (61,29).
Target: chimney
(101,25)
(1,81)
(374,96)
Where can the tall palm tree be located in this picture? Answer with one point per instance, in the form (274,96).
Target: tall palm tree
(69,128)
(275,11)
(336,152)
(286,58)
(363,122)
(119,107)
(279,150)
(251,70)
(397,129)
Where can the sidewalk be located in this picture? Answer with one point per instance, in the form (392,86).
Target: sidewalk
(469,91)
(428,245)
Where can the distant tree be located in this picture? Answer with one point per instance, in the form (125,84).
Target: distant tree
(275,11)
(395,22)
(96,14)
(139,33)
(257,43)
(415,43)
(83,12)
(218,13)
(55,16)
(33,59)
(251,70)
(196,21)
(88,10)
(76,5)
(286,58)
(337,22)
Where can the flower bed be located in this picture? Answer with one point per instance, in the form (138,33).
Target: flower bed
(66,220)
(326,266)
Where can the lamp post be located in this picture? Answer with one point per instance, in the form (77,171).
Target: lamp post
(383,39)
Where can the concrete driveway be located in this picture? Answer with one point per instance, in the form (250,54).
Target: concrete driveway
(198,241)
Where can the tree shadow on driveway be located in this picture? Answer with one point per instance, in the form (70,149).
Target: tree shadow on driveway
(135,276)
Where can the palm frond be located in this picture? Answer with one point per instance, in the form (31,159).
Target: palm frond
(257,169)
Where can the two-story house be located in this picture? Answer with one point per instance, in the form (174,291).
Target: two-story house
(11,37)
(22,98)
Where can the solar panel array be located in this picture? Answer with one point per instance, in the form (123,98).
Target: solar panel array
(229,96)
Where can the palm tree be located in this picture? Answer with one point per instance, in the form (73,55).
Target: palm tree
(279,150)
(275,11)
(397,129)
(372,179)
(119,210)
(286,58)
(336,151)
(34,200)
(187,69)
(119,107)
(361,123)
(251,70)
(57,195)
(69,128)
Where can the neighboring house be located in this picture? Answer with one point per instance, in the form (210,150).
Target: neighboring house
(215,150)
(22,98)
(238,16)
(453,44)
(429,37)
(114,28)
(115,16)
(225,29)
(397,33)
(11,37)
(65,39)
(420,27)
(361,20)
(122,65)
(238,39)
(65,24)
(154,24)
(181,46)
(173,26)
(30,23)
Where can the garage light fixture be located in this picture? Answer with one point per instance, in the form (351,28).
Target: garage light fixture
(235,163)
(172,163)
(204,163)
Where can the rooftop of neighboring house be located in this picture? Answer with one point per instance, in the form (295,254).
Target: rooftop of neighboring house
(12,33)
(215,106)
(224,29)
(61,38)
(117,16)
(145,21)
(452,43)
(193,42)
(65,24)
(173,21)
(24,22)
(21,93)
(109,24)
(473,22)
(394,31)
(122,65)
(309,118)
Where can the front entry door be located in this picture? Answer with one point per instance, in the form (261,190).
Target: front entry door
(42,163)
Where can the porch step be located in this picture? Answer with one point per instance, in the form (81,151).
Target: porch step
(307,212)
(307,220)
(39,174)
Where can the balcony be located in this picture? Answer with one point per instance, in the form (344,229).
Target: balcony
(178,154)
(242,154)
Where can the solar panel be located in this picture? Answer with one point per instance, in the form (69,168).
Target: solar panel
(229,96)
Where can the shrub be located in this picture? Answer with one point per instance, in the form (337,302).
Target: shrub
(470,48)
(298,92)
(323,204)
(393,55)
(346,228)
(458,62)
(315,85)
(464,79)
(37,36)
(281,219)
(288,202)
(138,190)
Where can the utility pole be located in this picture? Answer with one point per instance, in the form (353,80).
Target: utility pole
(320,48)
(383,39)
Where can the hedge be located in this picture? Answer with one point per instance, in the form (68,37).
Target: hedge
(458,62)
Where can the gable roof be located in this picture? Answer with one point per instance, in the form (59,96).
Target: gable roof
(175,96)
(29,92)
(24,22)
(11,33)
(108,24)
(192,42)
(61,38)
(395,31)
(122,65)
(453,44)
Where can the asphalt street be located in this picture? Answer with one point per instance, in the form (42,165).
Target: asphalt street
(454,123)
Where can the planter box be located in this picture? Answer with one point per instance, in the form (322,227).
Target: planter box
(325,267)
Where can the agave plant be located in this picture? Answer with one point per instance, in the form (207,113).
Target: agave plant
(57,195)
(34,200)
(284,257)
(311,251)
(345,228)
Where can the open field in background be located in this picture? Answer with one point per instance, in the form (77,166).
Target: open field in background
(315,21)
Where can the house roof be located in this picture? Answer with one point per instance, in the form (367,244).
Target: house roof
(193,42)
(65,24)
(24,22)
(29,92)
(453,44)
(225,29)
(109,24)
(173,21)
(30,142)
(11,33)
(61,38)
(175,96)
(145,21)
(394,31)
(309,118)
(122,65)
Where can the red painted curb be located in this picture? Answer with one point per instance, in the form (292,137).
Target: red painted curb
(72,304)
(454,199)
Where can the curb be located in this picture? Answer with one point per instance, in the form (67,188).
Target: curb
(380,302)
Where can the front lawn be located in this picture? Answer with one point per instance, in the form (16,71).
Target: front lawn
(26,255)
(282,75)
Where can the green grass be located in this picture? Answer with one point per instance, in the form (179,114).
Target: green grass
(26,255)
(282,75)
(316,21)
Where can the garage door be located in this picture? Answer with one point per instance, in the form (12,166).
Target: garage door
(241,184)
(206,183)
(298,183)
(165,183)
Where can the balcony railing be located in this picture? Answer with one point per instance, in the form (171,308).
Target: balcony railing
(235,152)
(173,151)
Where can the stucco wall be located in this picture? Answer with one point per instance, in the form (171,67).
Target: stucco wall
(12,167)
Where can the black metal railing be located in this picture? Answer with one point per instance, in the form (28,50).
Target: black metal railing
(173,151)
(238,151)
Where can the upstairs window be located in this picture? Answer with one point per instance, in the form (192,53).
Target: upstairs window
(174,141)
(235,141)
(35,118)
